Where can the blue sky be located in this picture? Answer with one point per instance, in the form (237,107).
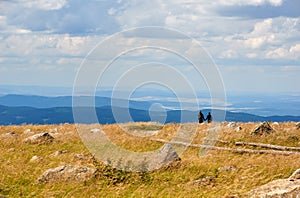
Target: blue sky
(255,43)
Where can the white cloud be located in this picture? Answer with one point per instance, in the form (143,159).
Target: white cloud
(262,27)
(250,2)
(58,32)
(258,42)
(229,54)
(278,53)
(44,4)
(295,48)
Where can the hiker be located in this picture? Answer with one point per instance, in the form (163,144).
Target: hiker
(201,117)
(209,118)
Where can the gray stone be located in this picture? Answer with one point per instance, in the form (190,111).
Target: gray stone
(263,128)
(298,125)
(295,175)
(231,125)
(95,130)
(279,188)
(8,134)
(27,131)
(67,173)
(36,159)
(206,181)
(81,156)
(57,153)
(165,156)
(39,138)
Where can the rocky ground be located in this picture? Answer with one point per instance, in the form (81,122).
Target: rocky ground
(208,160)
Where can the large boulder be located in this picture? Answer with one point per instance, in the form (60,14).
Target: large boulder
(279,188)
(67,173)
(39,138)
(263,128)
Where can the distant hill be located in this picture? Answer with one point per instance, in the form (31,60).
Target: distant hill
(57,115)
(14,100)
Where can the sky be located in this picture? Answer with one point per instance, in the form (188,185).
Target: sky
(255,44)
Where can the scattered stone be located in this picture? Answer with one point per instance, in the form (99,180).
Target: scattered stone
(153,161)
(9,134)
(263,128)
(54,133)
(95,130)
(238,128)
(275,124)
(81,156)
(206,181)
(11,150)
(39,138)
(298,125)
(57,153)
(228,168)
(28,131)
(231,125)
(295,175)
(36,159)
(67,173)
(279,188)
(167,155)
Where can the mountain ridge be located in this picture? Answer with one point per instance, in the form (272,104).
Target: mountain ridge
(105,115)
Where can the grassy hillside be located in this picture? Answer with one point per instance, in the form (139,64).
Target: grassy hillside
(218,174)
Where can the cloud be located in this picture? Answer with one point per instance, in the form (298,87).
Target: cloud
(251,2)
(278,53)
(60,16)
(54,35)
(261,8)
(44,4)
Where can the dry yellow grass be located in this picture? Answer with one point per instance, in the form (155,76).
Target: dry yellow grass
(218,174)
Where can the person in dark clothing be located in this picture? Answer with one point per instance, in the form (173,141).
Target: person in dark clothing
(209,118)
(201,117)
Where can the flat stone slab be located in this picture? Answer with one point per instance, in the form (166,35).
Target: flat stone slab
(67,173)
(39,138)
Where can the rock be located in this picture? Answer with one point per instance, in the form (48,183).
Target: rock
(298,125)
(8,134)
(228,169)
(57,153)
(11,150)
(263,128)
(39,138)
(167,155)
(275,124)
(54,132)
(238,128)
(27,131)
(95,130)
(67,173)
(36,159)
(81,156)
(279,188)
(231,125)
(295,175)
(206,181)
